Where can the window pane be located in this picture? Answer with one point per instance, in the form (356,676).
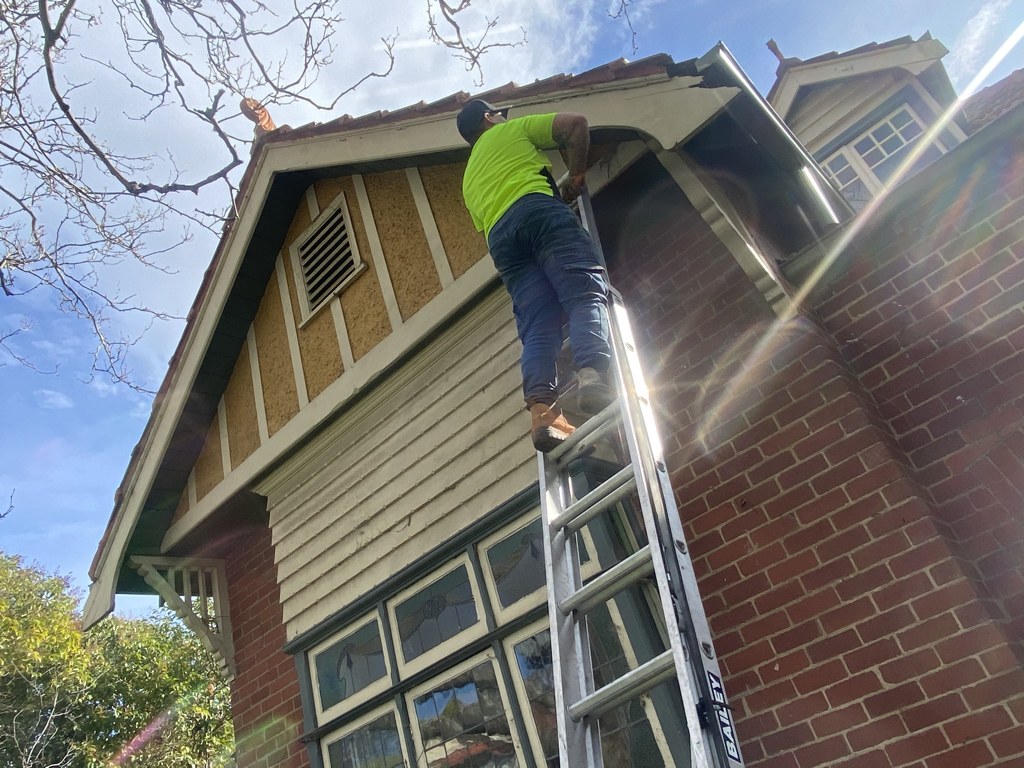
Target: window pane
(901,118)
(845,176)
(912,130)
(375,745)
(873,157)
(350,665)
(463,722)
(864,145)
(517,563)
(881,132)
(836,164)
(857,194)
(436,613)
(893,143)
(627,735)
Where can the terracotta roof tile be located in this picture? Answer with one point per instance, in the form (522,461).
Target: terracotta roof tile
(996,100)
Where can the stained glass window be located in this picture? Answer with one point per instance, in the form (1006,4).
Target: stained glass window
(517,564)
(350,665)
(463,723)
(375,745)
(436,613)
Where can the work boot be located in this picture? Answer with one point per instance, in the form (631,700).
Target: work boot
(594,393)
(549,428)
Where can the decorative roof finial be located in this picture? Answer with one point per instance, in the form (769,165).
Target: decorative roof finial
(774,48)
(256,112)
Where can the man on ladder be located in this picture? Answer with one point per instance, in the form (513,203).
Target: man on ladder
(545,258)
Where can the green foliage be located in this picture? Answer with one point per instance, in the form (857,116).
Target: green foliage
(132,692)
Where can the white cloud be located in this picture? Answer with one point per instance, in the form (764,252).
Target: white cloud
(51,399)
(970,45)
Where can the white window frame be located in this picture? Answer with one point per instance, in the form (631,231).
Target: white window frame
(439,680)
(860,167)
(377,686)
(502,614)
(355,725)
(443,649)
(307,312)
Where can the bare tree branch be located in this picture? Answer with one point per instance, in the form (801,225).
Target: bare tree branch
(74,201)
(623,13)
(462,46)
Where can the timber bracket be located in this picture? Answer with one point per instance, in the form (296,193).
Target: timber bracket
(196,589)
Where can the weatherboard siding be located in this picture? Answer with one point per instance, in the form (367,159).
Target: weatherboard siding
(404,470)
(831,109)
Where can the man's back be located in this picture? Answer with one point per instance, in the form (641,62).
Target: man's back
(507,163)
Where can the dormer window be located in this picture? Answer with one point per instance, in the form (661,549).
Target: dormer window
(861,168)
(327,257)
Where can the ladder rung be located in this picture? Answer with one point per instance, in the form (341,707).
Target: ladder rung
(634,683)
(631,570)
(608,493)
(592,429)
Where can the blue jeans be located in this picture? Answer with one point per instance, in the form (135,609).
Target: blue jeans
(548,263)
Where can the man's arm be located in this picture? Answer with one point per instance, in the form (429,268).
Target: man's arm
(571,132)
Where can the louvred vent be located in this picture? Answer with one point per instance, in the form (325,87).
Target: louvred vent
(327,259)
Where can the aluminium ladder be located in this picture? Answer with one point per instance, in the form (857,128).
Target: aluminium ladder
(690,656)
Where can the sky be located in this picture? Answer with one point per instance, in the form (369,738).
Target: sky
(67,437)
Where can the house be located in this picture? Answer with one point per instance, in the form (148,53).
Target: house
(337,491)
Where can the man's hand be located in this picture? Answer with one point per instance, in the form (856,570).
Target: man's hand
(572,132)
(573,187)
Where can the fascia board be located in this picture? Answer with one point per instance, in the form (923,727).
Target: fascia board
(914,57)
(667,109)
(100,600)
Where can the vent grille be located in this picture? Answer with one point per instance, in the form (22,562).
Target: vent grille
(327,259)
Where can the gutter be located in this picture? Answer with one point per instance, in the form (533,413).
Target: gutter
(834,205)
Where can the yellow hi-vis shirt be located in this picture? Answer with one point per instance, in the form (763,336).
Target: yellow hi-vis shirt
(507,163)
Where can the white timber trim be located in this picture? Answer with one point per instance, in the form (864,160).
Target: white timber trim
(419,195)
(312,203)
(212,627)
(377,252)
(291,332)
(191,488)
(225,446)
(669,109)
(257,386)
(913,57)
(719,215)
(341,330)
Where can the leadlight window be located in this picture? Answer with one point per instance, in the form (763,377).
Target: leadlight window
(326,257)
(349,669)
(464,721)
(436,613)
(375,744)
(861,169)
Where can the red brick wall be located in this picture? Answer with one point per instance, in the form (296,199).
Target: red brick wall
(265,694)
(850,630)
(932,322)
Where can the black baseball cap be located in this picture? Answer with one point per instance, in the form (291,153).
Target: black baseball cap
(472,115)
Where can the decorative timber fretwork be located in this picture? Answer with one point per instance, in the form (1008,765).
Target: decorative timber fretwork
(196,589)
